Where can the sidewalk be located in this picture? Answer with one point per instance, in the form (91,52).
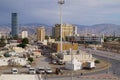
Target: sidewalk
(99,77)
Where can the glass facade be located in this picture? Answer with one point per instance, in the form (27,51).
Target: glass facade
(14,25)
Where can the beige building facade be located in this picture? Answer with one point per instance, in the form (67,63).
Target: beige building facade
(65,46)
(41,34)
(67,30)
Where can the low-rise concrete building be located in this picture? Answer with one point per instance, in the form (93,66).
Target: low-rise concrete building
(18,49)
(81,56)
(88,39)
(51,40)
(4,61)
(73,65)
(13,61)
(36,53)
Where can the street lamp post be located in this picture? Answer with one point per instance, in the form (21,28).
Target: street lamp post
(61,2)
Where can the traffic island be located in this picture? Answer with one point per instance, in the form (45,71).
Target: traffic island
(103,65)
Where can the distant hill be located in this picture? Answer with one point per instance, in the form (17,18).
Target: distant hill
(108,29)
(4,28)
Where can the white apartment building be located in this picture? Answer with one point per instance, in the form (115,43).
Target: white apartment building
(24,34)
(80,56)
(73,65)
(13,61)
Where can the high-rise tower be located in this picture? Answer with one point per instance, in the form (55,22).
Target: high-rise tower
(14,24)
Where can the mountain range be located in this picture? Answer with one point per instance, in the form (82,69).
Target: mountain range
(98,29)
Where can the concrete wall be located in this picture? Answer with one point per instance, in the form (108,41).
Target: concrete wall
(80,57)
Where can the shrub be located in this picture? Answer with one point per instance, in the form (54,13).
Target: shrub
(25,41)
(30,59)
(97,61)
(6,55)
(22,45)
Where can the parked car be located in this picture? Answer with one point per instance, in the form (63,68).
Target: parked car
(14,70)
(40,70)
(48,70)
(54,62)
(60,62)
(27,65)
(32,70)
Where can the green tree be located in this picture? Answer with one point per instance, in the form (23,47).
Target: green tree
(25,41)
(46,37)
(118,40)
(97,61)
(30,59)
(52,37)
(23,45)
(105,39)
(58,38)
(2,42)
(15,37)
(6,55)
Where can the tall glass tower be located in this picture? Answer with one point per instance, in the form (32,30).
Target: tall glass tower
(14,30)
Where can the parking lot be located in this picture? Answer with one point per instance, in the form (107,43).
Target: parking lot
(38,62)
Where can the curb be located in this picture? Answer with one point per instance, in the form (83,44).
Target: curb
(84,72)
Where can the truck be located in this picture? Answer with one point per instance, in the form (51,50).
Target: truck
(89,65)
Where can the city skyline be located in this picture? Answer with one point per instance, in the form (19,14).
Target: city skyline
(87,12)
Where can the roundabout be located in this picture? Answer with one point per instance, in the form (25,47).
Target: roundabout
(103,65)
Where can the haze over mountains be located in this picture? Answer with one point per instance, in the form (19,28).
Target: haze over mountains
(99,29)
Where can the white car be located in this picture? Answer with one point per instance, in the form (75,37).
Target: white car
(40,70)
(27,65)
(32,70)
(48,70)
(54,61)
(14,70)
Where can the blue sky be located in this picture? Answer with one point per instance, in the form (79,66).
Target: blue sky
(84,12)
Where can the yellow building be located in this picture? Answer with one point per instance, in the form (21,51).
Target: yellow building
(67,30)
(41,34)
(66,46)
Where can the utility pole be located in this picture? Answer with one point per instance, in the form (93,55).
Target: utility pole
(61,2)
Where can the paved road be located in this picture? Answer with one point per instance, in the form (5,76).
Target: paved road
(111,57)
(41,62)
(114,69)
(107,54)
